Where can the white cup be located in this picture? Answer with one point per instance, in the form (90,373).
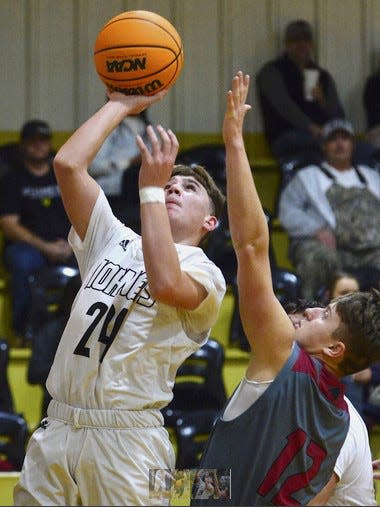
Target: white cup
(311,77)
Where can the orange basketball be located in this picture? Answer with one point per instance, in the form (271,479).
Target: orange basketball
(138,53)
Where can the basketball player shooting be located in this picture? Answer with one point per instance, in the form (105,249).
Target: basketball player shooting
(282,429)
(146,303)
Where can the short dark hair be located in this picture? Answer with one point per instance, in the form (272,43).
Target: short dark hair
(205,179)
(359,329)
(298,30)
(35,128)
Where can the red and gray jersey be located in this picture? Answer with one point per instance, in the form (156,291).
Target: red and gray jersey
(282,449)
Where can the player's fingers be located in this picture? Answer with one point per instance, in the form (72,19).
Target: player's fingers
(235,90)
(244,87)
(142,146)
(154,141)
(174,144)
(165,141)
(240,86)
(230,113)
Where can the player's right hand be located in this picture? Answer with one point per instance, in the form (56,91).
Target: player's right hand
(135,104)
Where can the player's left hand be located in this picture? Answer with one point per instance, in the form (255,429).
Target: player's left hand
(157,163)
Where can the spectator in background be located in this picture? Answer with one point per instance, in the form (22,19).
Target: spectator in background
(120,153)
(371,101)
(370,379)
(376,468)
(343,283)
(340,283)
(32,217)
(10,156)
(293,120)
(332,214)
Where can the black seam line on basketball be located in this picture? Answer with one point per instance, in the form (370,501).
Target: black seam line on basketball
(129,80)
(110,48)
(144,21)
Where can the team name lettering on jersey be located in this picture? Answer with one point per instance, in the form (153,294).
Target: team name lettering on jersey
(115,280)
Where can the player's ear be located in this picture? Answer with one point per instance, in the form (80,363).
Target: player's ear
(336,350)
(210,223)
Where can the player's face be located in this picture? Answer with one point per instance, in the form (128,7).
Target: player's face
(188,205)
(314,327)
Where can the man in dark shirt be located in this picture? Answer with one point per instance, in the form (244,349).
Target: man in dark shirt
(292,119)
(32,217)
(371,104)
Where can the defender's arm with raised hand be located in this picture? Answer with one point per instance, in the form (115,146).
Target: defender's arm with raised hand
(78,189)
(268,328)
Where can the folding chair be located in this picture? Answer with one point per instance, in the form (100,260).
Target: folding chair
(13,436)
(199,384)
(192,432)
(47,289)
(6,398)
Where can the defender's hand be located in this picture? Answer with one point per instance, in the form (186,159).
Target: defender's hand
(236,107)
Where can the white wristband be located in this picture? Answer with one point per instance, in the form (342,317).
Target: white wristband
(152,194)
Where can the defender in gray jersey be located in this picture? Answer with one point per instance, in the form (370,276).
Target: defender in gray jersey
(145,304)
(283,429)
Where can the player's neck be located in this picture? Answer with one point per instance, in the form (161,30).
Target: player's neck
(330,365)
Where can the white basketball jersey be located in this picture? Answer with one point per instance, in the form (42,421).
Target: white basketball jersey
(121,348)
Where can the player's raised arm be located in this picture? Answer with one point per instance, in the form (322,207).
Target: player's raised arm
(265,323)
(162,203)
(79,190)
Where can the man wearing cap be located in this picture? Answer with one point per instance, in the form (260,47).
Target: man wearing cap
(32,217)
(293,119)
(331,212)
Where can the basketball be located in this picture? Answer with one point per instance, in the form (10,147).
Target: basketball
(138,53)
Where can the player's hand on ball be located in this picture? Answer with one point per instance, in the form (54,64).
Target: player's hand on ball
(135,104)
